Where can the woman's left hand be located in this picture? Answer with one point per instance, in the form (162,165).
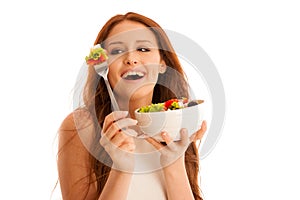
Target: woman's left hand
(175,149)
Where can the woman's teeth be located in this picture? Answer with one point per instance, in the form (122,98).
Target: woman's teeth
(132,75)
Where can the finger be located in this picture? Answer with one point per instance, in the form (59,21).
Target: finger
(199,134)
(169,141)
(184,137)
(130,147)
(166,137)
(103,141)
(130,132)
(119,125)
(106,144)
(124,123)
(112,117)
(204,125)
(119,139)
(192,137)
(129,140)
(157,145)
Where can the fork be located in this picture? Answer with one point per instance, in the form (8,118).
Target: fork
(102,70)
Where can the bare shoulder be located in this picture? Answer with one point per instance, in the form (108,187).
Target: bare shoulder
(75,127)
(75,120)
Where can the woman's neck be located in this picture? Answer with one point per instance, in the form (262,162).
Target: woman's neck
(135,103)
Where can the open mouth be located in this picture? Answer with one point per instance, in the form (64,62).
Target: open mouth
(133,75)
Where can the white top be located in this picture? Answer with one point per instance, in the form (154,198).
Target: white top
(148,181)
(148,186)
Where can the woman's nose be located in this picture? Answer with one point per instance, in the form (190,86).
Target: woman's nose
(131,62)
(131,59)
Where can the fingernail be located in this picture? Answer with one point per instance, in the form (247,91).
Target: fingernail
(125,113)
(163,134)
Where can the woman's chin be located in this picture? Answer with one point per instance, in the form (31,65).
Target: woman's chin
(133,91)
(143,92)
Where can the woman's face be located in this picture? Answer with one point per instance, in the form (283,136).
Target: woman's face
(134,60)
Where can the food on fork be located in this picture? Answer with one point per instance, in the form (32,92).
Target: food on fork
(97,55)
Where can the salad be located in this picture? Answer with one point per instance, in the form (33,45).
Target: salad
(172,104)
(97,55)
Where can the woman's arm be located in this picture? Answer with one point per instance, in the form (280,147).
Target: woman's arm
(120,147)
(177,183)
(74,166)
(73,162)
(172,161)
(116,186)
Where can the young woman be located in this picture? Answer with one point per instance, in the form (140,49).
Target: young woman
(97,146)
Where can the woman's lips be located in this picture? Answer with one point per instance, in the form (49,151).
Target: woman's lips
(133,75)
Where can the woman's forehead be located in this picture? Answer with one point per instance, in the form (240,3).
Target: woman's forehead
(129,31)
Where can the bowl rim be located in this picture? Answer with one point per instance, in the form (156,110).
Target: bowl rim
(159,112)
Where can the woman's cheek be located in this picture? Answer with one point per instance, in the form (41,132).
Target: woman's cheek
(152,73)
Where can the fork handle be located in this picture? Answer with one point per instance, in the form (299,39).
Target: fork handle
(114,103)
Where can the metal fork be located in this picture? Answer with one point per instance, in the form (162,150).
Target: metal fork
(102,70)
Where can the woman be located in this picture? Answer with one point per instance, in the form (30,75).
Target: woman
(96,144)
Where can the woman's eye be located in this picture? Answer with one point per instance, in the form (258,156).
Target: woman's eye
(116,51)
(143,49)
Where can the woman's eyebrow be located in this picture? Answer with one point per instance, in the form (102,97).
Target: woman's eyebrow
(143,41)
(137,41)
(116,42)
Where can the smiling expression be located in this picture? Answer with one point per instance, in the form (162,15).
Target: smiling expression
(134,59)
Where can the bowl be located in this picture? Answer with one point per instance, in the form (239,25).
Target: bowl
(171,121)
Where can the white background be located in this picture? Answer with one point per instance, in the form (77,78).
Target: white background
(255,46)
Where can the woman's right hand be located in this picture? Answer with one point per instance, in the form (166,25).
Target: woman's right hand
(117,140)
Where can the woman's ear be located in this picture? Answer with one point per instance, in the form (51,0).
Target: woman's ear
(162,67)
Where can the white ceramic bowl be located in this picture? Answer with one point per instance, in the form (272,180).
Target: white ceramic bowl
(171,121)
